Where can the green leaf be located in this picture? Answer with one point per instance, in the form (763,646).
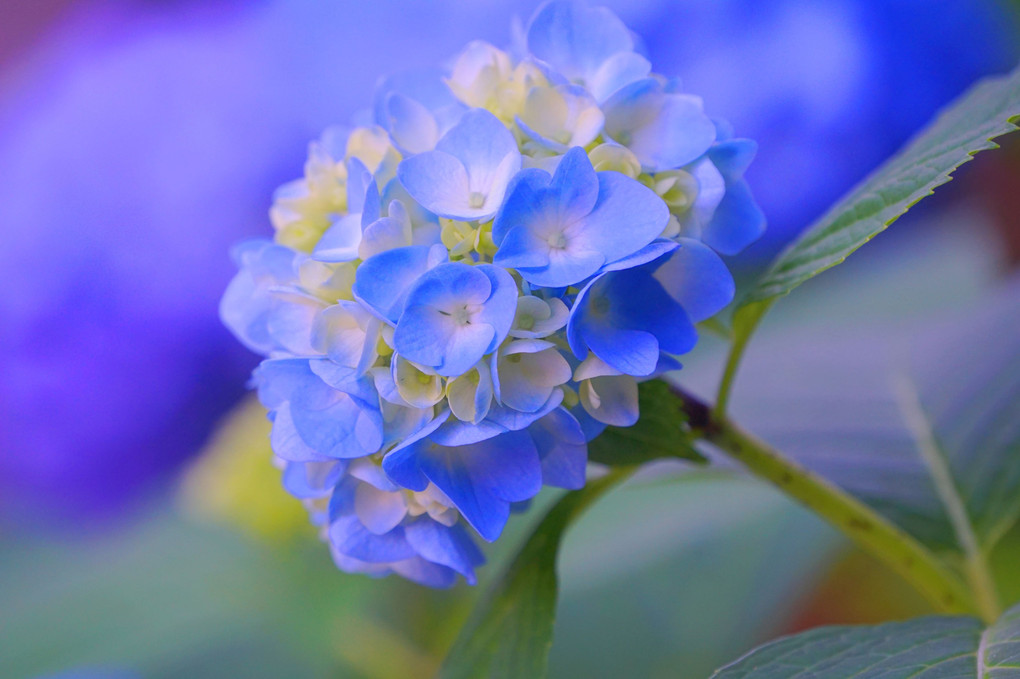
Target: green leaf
(943,647)
(509,634)
(659,433)
(966,127)
(927,432)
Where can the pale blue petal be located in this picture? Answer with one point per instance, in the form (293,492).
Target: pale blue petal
(576,39)
(698,279)
(616,72)
(439,182)
(309,480)
(412,127)
(382,281)
(285,441)
(664,130)
(479,141)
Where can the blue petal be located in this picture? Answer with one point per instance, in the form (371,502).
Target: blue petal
(523,196)
(341,242)
(448,546)
(562,448)
(412,127)
(285,441)
(501,306)
(663,129)
(627,217)
(649,253)
(439,182)
(425,572)
(483,478)
(382,281)
(480,141)
(698,279)
(402,465)
(737,222)
(308,480)
(575,39)
(575,186)
(349,537)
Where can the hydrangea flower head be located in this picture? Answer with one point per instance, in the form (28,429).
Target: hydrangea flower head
(465,292)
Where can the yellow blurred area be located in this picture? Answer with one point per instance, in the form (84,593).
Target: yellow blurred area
(234,480)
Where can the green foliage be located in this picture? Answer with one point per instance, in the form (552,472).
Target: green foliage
(510,631)
(945,647)
(660,433)
(966,127)
(926,433)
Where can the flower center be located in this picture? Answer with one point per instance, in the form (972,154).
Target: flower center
(476,199)
(557,241)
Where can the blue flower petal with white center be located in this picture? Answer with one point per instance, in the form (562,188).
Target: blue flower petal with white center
(382,281)
(698,279)
(588,45)
(664,129)
(455,314)
(537,317)
(558,230)
(626,318)
(562,448)
(467,174)
(481,479)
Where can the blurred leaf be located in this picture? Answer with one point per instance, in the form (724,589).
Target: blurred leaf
(651,575)
(988,110)
(946,647)
(660,433)
(509,634)
(922,422)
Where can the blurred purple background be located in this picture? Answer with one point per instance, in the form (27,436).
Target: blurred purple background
(138,141)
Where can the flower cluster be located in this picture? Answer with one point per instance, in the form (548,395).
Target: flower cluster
(467,289)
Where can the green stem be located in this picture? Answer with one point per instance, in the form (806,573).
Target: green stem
(866,527)
(745,322)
